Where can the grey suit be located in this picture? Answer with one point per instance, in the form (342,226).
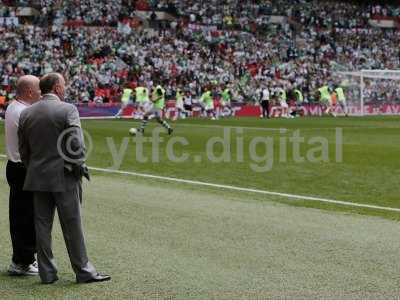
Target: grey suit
(54,180)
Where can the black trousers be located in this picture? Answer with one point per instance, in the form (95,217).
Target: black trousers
(21,214)
(265,108)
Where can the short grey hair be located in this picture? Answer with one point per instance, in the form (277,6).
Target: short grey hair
(48,81)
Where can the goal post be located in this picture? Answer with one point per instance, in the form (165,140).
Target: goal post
(371,92)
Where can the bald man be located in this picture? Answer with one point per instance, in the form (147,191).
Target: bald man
(21,210)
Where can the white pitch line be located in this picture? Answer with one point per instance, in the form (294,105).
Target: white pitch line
(249,190)
(241,189)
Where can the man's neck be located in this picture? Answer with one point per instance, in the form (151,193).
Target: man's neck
(52,95)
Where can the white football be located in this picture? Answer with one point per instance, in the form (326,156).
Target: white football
(133,131)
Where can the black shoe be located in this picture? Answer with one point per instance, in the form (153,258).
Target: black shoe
(97,278)
(170,131)
(50,281)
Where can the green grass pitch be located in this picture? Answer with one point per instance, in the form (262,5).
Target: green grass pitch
(163,240)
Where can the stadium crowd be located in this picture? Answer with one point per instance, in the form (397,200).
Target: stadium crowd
(230,42)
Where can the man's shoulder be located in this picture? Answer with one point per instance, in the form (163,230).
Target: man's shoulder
(27,111)
(12,109)
(68,107)
(60,106)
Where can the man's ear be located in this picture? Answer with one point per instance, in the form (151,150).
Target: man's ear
(30,92)
(57,88)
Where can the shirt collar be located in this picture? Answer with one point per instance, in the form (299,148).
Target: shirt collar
(23,102)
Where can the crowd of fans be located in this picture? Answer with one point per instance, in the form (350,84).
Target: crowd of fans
(311,12)
(230,42)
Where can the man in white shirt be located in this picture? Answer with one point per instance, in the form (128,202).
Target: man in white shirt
(264,103)
(21,212)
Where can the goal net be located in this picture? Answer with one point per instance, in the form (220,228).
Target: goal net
(370,92)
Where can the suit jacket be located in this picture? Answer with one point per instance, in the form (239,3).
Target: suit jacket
(51,158)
